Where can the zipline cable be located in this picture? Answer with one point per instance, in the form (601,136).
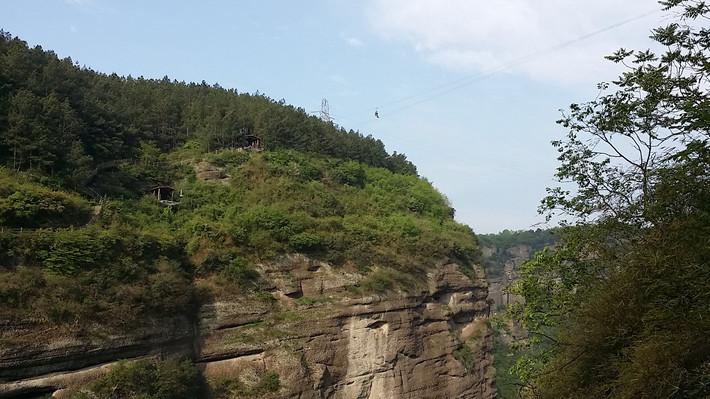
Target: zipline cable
(467,80)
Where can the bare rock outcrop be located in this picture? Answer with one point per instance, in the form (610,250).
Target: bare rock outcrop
(328,344)
(372,347)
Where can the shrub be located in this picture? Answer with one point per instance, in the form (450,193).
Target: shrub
(466,357)
(170,292)
(146,379)
(349,173)
(231,158)
(97,276)
(76,250)
(293,164)
(269,382)
(267,219)
(384,280)
(31,205)
(8,245)
(305,242)
(18,288)
(403,226)
(239,272)
(215,261)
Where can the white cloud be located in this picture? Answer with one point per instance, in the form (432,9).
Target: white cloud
(480,36)
(354,42)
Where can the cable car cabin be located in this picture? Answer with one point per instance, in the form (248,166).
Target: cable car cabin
(165,195)
(253,143)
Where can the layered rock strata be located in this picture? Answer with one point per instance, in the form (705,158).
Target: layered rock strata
(320,342)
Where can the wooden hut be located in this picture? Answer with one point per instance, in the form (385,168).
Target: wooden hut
(253,143)
(165,195)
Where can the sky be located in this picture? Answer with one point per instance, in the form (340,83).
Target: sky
(469,90)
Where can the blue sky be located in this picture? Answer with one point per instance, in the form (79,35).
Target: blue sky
(485,145)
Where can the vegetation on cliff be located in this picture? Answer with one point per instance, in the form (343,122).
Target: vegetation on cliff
(499,245)
(86,248)
(619,309)
(146,379)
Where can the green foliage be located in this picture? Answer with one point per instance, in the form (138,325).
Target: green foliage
(239,272)
(33,205)
(72,251)
(619,308)
(504,358)
(107,134)
(232,158)
(8,243)
(135,261)
(90,276)
(349,173)
(536,239)
(19,288)
(269,382)
(305,242)
(383,280)
(317,189)
(308,301)
(293,164)
(146,379)
(285,201)
(466,357)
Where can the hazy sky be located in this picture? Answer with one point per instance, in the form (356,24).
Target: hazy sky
(432,68)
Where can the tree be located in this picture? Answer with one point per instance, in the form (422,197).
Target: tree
(620,308)
(56,117)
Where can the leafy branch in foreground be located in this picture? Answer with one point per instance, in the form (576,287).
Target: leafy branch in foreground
(619,309)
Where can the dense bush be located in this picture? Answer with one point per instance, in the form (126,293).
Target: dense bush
(239,272)
(33,205)
(228,158)
(305,242)
(349,173)
(146,379)
(287,201)
(92,275)
(268,382)
(136,260)
(619,309)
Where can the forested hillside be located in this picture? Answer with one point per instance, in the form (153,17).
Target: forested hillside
(92,256)
(86,130)
(136,257)
(70,135)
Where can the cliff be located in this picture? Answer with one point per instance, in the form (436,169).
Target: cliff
(225,245)
(503,253)
(508,264)
(434,344)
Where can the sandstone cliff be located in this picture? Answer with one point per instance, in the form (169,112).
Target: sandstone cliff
(508,264)
(320,338)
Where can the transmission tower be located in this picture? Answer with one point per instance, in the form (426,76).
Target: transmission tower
(325,111)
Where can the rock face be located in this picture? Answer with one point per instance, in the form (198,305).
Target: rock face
(436,344)
(516,256)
